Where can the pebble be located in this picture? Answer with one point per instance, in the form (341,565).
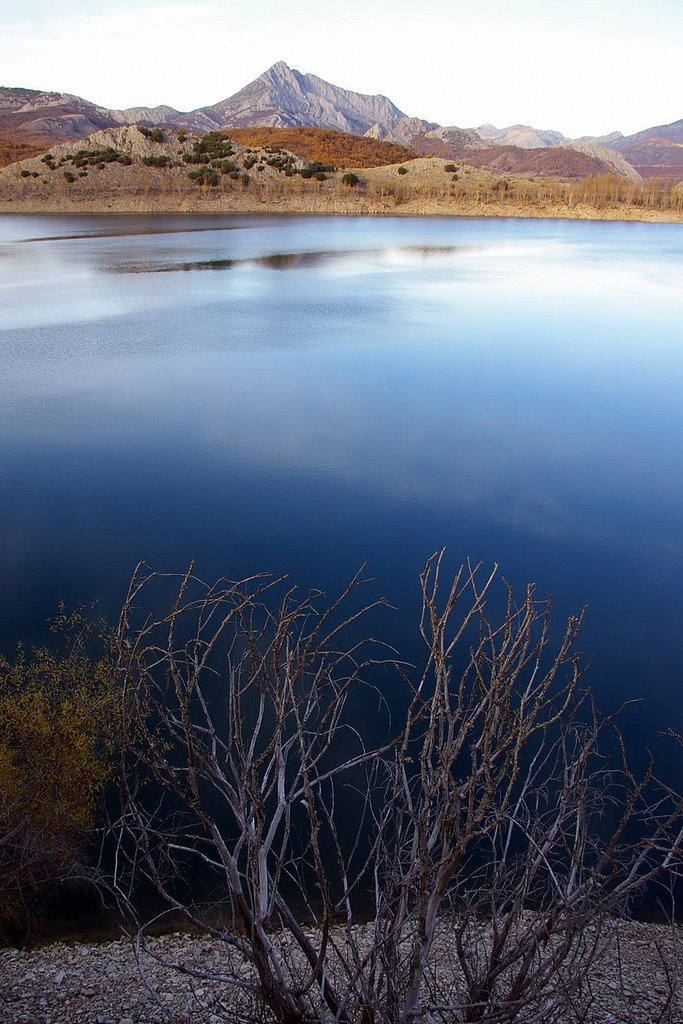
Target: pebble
(63,984)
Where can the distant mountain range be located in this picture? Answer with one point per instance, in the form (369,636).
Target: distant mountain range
(283,97)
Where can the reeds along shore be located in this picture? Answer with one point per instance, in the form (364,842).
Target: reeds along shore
(423,190)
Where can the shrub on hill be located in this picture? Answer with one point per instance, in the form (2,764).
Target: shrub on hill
(156,161)
(205,176)
(212,146)
(92,158)
(153,134)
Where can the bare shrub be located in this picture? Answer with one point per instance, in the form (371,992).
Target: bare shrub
(495,830)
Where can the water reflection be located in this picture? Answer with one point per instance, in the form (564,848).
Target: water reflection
(291,260)
(510,390)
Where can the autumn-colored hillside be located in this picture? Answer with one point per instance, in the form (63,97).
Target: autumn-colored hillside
(328,147)
(553,162)
(14,148)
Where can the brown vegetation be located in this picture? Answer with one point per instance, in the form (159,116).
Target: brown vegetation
(328,147)
(15,147)
(656,158)
(554,162)
(55,715)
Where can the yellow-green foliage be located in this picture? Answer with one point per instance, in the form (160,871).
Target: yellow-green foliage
(57,730)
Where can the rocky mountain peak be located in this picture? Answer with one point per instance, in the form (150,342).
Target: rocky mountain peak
(285,97)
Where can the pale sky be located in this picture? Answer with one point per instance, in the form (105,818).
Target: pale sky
(584,67)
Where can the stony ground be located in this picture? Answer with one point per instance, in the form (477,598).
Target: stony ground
(636,983)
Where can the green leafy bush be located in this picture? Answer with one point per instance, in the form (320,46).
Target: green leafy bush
(156,161)
(153,134)
(205,176)
(212,146)
(224,166)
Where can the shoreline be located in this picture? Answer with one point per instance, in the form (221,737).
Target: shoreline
(326,207)
(635,978)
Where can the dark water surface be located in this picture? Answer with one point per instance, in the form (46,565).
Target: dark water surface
(306,394)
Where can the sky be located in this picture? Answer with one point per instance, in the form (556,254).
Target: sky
(585,67)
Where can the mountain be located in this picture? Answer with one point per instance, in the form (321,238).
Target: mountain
(608,141)
(57,115)
(30,121)
(284,98)
(655,152)
(280,97)
(521,135)
(663,132)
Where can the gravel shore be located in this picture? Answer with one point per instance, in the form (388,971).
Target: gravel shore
(636,982)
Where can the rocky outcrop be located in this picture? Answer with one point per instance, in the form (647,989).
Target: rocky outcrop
(521,135)
(613,161)
(402,131)
(465,138)
(610,141)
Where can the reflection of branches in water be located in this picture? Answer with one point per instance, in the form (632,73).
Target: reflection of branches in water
(293,260)
(484,818)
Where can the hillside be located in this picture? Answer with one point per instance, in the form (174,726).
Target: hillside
(14,147)
(137,169)
(562,163)
(330,147)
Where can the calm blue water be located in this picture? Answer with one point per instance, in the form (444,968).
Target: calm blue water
(305,395)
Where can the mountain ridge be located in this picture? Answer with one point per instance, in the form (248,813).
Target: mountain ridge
(284,97)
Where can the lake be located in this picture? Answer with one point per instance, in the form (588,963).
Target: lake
(305,395)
